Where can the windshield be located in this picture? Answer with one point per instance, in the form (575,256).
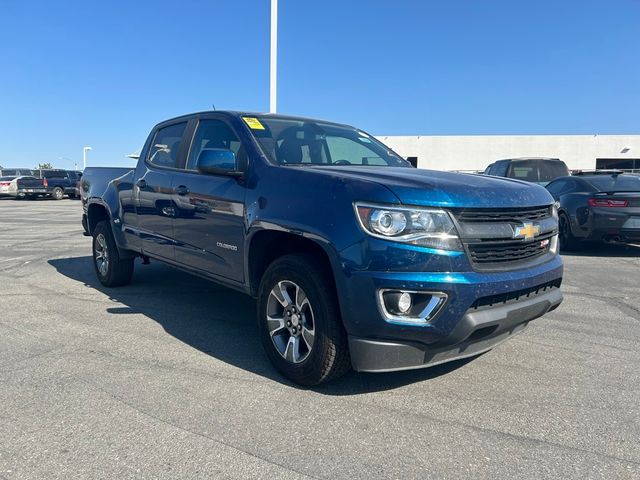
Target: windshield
(617,183)
(309,143)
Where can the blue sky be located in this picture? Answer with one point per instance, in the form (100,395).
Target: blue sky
(75,73)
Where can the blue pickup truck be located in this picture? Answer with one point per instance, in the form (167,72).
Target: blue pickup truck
(357,259)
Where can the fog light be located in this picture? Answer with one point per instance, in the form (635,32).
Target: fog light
(410,307)
(404,302)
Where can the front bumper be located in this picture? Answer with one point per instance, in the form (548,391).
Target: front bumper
(477,332)
(482,309)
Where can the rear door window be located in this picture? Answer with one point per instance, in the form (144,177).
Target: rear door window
(166,145)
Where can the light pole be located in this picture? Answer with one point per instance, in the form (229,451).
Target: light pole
(84,156)
(273,70)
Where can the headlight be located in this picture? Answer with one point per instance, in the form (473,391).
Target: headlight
(419,226)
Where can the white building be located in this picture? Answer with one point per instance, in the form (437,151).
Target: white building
(476,152)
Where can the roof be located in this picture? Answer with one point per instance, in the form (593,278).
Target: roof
(528,158)
(236,113)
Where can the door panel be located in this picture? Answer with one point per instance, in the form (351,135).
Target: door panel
(155,213)
(209,224)
(209,217)
(155,207)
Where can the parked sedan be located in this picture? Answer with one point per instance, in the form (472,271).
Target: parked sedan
(597,206)
(5,183)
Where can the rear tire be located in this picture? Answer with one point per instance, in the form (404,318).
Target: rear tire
(299,319)
(111,269)
(568,243)
(57,193)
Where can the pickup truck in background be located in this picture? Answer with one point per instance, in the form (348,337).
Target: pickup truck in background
(53,183)
(356,258)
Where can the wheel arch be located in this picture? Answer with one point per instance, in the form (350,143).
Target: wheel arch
(96,213)
(267,245)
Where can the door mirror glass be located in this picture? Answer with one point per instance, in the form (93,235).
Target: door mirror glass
(217,161)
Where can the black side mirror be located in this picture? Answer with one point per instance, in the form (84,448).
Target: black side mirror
(218,161)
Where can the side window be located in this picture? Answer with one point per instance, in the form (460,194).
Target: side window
(500,169)
(571,186)
(56,174)
(556,187)
(165,146)
(213,134)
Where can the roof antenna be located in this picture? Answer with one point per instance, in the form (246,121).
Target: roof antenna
(213,106)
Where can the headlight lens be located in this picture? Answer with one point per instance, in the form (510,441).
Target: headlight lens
(418,226)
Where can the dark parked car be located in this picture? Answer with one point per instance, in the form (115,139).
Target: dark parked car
(597,206)
(55,183)
(536,170)
(356,258)
(60,182)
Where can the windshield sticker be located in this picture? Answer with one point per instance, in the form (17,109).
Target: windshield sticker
(253,123)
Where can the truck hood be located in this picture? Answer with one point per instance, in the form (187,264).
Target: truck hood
(415,186)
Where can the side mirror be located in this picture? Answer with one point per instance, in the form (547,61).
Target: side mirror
(218,161)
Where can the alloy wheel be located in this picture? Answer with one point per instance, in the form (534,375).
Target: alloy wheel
(290,321)
(101,254)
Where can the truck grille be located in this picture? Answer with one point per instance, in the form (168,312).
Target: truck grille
(501,251)
(504,215)
(513,251)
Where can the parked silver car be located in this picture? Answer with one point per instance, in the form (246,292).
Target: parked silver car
(5,183)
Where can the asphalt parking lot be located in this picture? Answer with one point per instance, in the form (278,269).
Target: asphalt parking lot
(166,378)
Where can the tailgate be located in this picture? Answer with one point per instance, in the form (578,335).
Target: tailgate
(33,183)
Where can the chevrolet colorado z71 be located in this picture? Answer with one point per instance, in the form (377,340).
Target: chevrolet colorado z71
(356,258)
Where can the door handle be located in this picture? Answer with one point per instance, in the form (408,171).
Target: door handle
(142,183)
(181,190)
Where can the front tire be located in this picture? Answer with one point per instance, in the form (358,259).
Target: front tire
(300,324)
(111,269)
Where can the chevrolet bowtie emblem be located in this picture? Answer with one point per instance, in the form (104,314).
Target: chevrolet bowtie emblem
(527,231)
